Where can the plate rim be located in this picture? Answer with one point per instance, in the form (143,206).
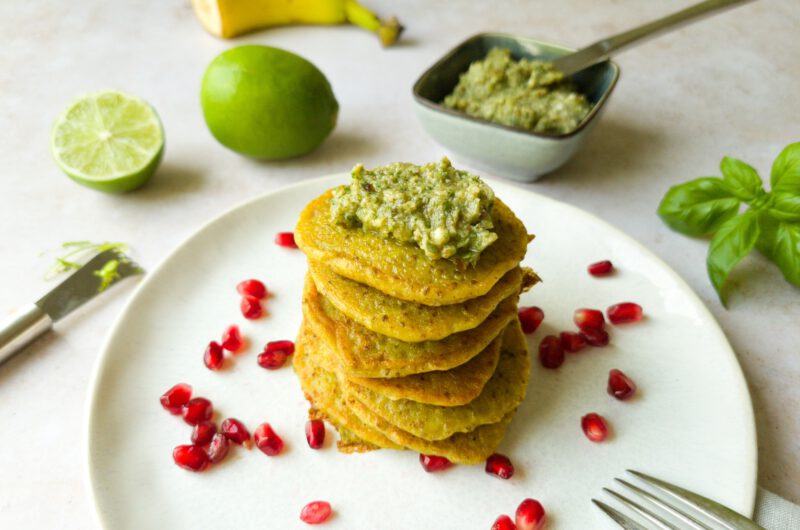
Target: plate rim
(103,355)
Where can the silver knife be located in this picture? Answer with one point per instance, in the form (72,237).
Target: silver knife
(34,320)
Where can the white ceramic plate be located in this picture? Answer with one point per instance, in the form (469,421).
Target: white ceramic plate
(692,422)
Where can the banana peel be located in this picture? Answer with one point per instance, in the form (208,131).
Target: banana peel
(231,18)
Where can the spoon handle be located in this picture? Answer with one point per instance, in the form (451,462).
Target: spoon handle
(601,50)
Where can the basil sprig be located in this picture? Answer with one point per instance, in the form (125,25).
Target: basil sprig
(710,206)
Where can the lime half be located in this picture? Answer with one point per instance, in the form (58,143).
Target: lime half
(108,141)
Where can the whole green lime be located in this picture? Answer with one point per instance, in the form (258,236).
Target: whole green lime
(267,103)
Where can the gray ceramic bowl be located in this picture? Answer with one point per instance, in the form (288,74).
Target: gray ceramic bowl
(510,152)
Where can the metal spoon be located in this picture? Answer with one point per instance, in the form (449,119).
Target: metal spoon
(601,50)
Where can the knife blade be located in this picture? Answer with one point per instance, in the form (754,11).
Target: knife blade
(32,321)
(84,284)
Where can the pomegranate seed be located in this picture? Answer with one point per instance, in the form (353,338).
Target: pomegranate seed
(218,448)
(595,337)
(252,288)
(251,307)
(601,268)
(315,512)
(530,515)
(551,355)
(275,354)
(282,345)
(214,356)
(176,397)
(196,410)
(272,360)
(315,433)
(589,319)
(232,339)
(266,440)
(620,385)
(594,427)
(203,432)
(285,239)
(572,342)
(500,466)
(624,313)
(530,318)
(191,457)
(504,522)
(432,463)
(235,431)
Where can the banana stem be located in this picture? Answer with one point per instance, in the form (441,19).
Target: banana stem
(388,30)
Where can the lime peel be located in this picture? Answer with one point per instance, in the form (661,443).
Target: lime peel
(267,103)
(108,274)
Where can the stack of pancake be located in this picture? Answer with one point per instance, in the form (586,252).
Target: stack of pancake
(400,351)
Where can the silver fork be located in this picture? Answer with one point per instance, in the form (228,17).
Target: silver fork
(665,499)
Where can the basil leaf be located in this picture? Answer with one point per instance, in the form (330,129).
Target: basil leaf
(733,241)
(786,170)
(741,179)
(785,250)
(698,207)
(785,206)
(769,228)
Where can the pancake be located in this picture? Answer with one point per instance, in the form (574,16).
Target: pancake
(464,448)
(364,353)
(409,321)
(403,271)
(448,388)
(323,391)
(348,442)
(501,395)
(360,429)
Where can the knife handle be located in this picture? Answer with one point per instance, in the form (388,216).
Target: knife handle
(24,326)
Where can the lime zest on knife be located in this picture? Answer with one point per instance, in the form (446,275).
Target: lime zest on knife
(107,274)
(76,251)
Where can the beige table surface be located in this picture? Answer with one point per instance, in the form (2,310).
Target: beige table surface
(726,86)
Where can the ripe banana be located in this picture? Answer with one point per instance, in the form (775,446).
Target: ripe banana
(229,18)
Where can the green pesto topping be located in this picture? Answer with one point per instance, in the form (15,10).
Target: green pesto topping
(529,94)
(445,212)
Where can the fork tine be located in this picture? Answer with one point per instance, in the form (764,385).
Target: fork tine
(683,516)
(719,513)
(623,520)
(641,510)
